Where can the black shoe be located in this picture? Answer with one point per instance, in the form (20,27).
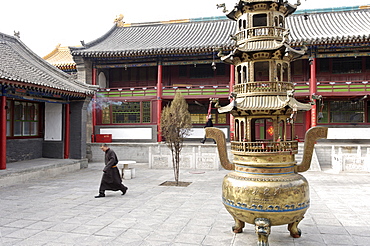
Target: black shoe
(100,195)
(202,142)
(124,191)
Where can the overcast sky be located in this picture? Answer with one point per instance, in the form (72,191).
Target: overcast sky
(43,24)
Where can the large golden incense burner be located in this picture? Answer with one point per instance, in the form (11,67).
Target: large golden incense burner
(264,188)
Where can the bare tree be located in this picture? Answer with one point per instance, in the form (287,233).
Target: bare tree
(175,126)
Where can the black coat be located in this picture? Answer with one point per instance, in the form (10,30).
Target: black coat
(209,124)
(111,179)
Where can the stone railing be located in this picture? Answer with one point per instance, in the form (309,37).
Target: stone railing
(263,87)
(265,147)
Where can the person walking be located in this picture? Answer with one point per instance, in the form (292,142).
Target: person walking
(208,124)
(111,179)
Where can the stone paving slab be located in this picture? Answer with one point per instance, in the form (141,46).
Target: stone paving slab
(63,211)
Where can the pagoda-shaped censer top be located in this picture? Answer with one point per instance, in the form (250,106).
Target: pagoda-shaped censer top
(263,103)
(264,188)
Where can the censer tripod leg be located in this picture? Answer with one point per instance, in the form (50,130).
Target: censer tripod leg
(238,227)
(263,229)
(295,232)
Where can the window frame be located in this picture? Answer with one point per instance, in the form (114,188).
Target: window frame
(330,114)
(108,111)
(25,119)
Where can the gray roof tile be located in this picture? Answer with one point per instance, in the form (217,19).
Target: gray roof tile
(203,36)
(330,28)
(19,64)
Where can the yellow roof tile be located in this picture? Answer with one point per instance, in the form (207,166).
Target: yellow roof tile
(60,57)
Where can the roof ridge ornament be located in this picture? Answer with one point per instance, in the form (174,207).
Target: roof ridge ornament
(222,5)
(17,34)
(118,20)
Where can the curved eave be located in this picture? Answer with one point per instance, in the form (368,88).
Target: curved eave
(152,52)
(263,45)
(65,66)
(265,103)
(331,41)
(13,80)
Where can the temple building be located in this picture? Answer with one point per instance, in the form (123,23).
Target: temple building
(42,109)
(138,68)
(61,58)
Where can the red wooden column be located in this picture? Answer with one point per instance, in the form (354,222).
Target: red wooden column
(159,102)
(2,132)
(313,90)
(231,89)
(308,120)
(67,137)
(93,113)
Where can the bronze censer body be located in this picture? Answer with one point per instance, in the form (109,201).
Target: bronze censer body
(264,188)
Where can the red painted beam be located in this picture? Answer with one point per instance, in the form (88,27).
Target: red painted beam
(159,102)
(313,90)
(67,131)
(2,132)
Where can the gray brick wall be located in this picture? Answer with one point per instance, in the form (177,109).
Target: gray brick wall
(23,149)
(78,128)
(53,149)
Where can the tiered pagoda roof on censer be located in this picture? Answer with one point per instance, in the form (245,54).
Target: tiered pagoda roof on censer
(263,91)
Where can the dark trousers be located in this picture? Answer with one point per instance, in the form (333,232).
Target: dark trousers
(205,139)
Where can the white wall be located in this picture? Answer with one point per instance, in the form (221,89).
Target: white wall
(200,132)
(348,133)
(53,121)
(146,133)
(102,81)
(128,133)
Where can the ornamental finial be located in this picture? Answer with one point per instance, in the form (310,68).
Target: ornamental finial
(118,20)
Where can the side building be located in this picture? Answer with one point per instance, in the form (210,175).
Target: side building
(42,109)
(138,68)
(61,58)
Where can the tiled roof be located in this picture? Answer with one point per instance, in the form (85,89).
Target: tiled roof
(161,38)
(330,28)
(19,65)
(265,103)
(194,36)
(61,58)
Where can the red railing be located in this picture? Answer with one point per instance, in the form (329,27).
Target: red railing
(302,87)
(168,91)
(128,91)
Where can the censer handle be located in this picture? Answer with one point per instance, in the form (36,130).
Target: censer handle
(219,137)
(312,135)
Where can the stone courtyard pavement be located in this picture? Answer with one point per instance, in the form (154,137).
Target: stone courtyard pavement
(63,211)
